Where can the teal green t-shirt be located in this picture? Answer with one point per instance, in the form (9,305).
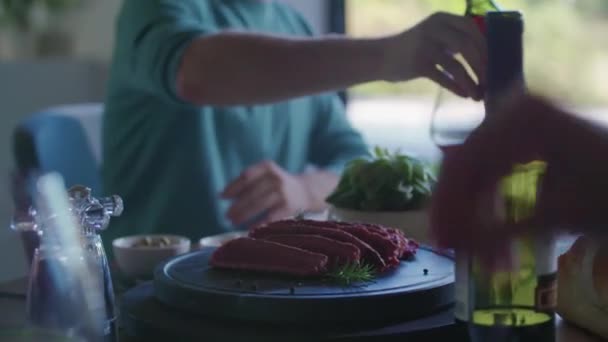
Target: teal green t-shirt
(169,160)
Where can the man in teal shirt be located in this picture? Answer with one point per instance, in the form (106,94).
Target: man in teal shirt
(216,108)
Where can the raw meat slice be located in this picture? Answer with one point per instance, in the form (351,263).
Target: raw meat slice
(373,235)
(389,251)
(407,247)
(339,253)
(368,253)
(410,249)
(266,256)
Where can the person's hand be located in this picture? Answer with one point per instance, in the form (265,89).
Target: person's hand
(436,41)
(266,189)
(572,192)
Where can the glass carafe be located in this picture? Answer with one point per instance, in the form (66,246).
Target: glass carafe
(58,300)
(23,221)
(70,289)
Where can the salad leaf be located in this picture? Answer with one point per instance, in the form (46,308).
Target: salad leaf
(386,182)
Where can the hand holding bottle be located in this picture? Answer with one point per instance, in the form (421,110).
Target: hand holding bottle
(436,41)
(526,128)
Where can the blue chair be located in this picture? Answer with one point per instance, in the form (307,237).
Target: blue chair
(61,140)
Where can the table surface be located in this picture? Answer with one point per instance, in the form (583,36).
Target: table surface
(12,313)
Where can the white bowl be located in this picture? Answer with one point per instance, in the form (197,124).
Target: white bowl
(220,239)
(140,261)
(413,223)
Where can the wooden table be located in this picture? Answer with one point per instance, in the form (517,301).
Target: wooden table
(12,313)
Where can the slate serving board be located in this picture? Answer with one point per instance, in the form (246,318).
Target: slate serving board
(189,284)
(144,318)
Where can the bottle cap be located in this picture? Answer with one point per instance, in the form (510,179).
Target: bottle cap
(510,21)
(505,51)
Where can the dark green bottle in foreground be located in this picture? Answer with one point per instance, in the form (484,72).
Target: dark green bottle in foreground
(477,10)
(515,305)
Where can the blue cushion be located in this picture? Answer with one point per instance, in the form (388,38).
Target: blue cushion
(48,142)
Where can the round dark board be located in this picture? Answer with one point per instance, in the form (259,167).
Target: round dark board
(144,318)
(190,284)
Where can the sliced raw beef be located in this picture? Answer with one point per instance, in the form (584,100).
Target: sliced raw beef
(368,253)
(398,237)
(407,246)
(339,253)
(389,251)
(267,256)
(410,249)
(373,235)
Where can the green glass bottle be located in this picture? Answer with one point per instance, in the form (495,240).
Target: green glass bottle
(481,7)
(515,305)
(477,9)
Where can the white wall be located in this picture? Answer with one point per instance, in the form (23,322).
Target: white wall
(94,29)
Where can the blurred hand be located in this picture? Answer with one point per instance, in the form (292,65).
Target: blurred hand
(267,188)
(572,193)
(436,41)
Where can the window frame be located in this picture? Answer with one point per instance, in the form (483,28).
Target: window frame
(337,24)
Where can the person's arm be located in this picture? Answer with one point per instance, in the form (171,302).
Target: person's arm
(244,68)
(230,68)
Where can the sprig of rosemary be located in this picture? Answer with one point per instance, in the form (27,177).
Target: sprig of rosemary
(352,273)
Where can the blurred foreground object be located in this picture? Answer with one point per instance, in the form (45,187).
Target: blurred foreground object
(70,289)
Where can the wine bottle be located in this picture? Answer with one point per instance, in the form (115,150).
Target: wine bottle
(516,304)
(476,9)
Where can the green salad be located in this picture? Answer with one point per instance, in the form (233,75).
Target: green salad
(385,182)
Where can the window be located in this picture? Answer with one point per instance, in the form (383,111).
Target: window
(566,57)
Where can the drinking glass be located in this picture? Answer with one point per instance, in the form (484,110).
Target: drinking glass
(453,118)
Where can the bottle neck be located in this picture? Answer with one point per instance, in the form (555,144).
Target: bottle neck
(479,8)
(505,69)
